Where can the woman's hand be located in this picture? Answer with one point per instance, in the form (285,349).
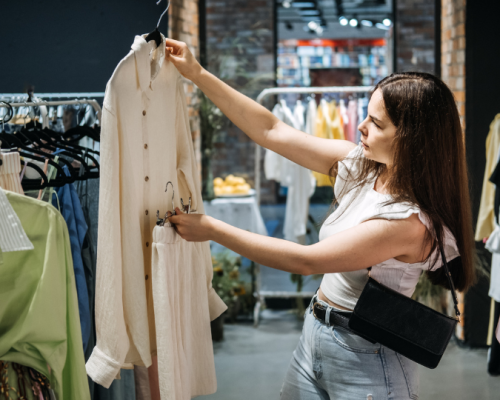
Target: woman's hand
(178,54)
(192,227)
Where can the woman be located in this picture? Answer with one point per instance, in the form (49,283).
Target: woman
(400,192)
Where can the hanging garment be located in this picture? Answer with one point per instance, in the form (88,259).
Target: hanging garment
(185,355)
(362,113)
(9,172)
(145,143)
(141,379)
(497,332)
(124,388)
(493,242)
(345,119)
(12,235)
(328,126)
(494,350)
(39,318)
(71,209)
(352,126)
(18,382)
(273,162)
(486,217)
(301,185)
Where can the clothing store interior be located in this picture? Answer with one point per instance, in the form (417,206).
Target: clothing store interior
(100,295)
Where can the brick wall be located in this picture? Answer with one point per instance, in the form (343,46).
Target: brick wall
(453,50)
(415,35)
(241,34)
(183,26)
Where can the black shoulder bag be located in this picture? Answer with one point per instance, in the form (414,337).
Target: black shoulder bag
(402,324)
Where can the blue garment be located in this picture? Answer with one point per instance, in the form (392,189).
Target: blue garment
(333,363)
(124,388)
(71,210)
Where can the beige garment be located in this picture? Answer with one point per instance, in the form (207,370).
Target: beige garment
(486,217)
(186,366)
(145,143)
(9,172)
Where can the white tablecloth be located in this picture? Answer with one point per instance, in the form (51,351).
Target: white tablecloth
(240,212)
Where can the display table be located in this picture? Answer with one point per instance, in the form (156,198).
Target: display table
(240,212)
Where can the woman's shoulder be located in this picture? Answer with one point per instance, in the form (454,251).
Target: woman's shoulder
(349,168)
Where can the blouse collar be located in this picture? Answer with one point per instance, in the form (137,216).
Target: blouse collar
(149,59)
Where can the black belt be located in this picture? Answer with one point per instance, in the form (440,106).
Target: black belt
(331,317)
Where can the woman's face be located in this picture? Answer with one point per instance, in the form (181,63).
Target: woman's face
(377,131)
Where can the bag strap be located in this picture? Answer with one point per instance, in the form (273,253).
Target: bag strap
(450,281)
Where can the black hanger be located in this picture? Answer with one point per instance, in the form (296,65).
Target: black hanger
(61,179)
(7,118)
(34,184)
(155,35)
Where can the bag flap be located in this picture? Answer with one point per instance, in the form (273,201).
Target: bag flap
(405,317)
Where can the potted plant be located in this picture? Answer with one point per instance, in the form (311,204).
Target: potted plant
(229,286)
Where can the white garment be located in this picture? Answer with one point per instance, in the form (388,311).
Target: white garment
(272,160)
(301,185)
(145,143)
(185,357)
(12,235)
(493,245)
(344,288)
(299,180)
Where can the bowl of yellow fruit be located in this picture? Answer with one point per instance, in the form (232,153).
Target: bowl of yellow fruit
(232,186)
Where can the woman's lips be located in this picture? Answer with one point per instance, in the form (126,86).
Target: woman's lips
(364,144)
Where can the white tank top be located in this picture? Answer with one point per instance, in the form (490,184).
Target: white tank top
(344,288)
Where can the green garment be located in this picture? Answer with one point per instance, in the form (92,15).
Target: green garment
(39,319)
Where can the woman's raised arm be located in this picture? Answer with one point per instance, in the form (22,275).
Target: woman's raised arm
(256,121)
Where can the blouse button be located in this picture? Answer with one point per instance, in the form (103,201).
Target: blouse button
(146,146)
(146,178)
(144,112)
(147,244)
(147,212)
(147,276)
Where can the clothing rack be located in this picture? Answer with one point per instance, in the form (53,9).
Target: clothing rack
(259,294)
(95,105)
(304,90)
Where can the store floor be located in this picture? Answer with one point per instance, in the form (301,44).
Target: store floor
(251,364)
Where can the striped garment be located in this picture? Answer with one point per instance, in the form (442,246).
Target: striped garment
(9,172)
(12,235)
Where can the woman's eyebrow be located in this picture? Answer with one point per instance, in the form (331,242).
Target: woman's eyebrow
(374,118)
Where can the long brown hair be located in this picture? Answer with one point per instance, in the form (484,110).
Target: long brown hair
(429,166)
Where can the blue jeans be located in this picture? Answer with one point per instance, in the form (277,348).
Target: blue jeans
(332,363)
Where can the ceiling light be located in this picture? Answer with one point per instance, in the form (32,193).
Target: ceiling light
(387,22)
(353,22)
(309,12)
(286,4)
(381,26)
(365,22)
(313,25)
(343,21)
(319,30)
(303,4)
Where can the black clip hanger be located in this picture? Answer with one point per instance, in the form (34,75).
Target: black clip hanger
(155,35)
(161,221)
